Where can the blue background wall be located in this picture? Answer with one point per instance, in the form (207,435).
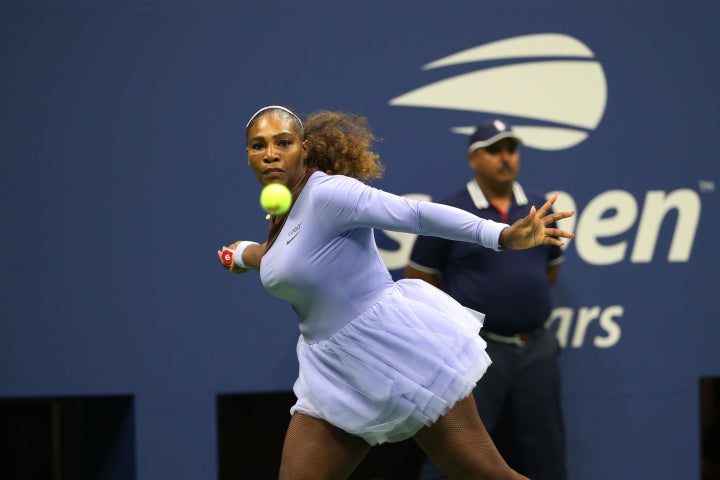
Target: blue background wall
(122,170)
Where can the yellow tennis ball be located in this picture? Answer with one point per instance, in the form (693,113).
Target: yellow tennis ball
(275,198)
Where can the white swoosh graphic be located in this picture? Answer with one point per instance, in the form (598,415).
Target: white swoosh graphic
(532,89)
(539,45)
(572,94)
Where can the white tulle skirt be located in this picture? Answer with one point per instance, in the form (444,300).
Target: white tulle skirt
(397,367)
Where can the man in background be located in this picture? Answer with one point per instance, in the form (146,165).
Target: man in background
(519,397)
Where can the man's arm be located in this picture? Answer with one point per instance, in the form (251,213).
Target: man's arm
(411,272)
(552,273)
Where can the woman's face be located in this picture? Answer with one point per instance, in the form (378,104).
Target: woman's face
(276,152)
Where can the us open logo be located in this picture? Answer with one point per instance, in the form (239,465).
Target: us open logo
(562,98)
(556,92)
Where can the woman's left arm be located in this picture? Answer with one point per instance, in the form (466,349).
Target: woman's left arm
(347,203)
(532,231)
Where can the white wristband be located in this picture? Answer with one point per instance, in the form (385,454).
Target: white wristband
(237,255)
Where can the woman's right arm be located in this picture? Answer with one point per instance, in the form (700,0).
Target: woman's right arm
(251,257)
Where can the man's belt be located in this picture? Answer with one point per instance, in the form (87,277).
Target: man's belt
(519,339)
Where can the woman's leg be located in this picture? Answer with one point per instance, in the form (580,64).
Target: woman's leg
(459,444)
(316,450)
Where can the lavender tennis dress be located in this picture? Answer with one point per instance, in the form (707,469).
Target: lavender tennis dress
(379,359)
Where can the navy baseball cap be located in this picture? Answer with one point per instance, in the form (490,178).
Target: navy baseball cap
(490,132)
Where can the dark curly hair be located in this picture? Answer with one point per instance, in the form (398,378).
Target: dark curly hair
(340,144)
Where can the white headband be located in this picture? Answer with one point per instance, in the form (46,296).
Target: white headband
(279,108)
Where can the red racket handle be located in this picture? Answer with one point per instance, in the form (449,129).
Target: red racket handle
(227,256)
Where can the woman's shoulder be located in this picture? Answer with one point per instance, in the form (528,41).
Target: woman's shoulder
(326,180)
(333,188)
